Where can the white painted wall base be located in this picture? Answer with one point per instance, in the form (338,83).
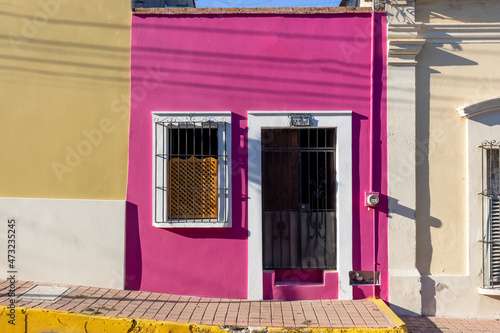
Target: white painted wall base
(455,296)
(79,242)
(404,293)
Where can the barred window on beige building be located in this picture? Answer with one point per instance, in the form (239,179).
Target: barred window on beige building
(491,211)
(191,169)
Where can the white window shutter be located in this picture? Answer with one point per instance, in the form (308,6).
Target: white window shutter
(495,240)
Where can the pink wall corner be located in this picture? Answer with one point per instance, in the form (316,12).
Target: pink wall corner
(365,291)
(365,220)
(328,289)
(268,284)
(238,63)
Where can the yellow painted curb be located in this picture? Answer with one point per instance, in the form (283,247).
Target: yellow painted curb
(34,320)
(380,304)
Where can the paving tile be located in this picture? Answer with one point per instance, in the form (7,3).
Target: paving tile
(208,315)
(232,314)
(187,312)
(220,313)
(254,314)
(115,303)
(243,313)
(321,314)
(142,311)
(166,307)
(298,314)
(310,315)
(76,297)
(199,311)
(99,305)
(276,314)
(449,325)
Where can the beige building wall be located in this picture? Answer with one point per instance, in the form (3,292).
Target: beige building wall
(446,11)
(448,76)
(64,78)
(443,56)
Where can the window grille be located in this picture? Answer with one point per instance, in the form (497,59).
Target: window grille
(191,175)
(491,213)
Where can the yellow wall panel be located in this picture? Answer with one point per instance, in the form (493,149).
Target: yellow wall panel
(64,78)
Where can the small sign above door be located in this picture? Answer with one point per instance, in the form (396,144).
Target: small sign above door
(300,120)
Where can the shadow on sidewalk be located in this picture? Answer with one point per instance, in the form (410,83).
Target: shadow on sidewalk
(422,324)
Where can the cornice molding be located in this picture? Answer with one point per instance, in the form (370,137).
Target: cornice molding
(476,108)
(404,51)
(447,32)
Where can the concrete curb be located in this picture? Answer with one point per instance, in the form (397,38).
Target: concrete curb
(34,320)
(385,309)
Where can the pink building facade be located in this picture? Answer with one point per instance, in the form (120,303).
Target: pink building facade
(291,90)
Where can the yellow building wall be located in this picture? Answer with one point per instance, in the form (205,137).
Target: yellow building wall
(64,82)
(448,77)
(446,11)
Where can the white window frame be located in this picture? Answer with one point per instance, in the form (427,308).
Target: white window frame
(487,201)
(223,173)
(342,121)
(482,124)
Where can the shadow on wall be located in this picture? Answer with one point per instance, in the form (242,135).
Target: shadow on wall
(425,138)
(239,211)
(446,293)
(79,60)
(457,11)
(94,24)
(247,73)
(428,292)
(133,254)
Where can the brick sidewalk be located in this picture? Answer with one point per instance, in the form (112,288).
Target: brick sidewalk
(208,311)
(449,325)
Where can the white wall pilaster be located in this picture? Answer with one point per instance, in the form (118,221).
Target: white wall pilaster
(405,285)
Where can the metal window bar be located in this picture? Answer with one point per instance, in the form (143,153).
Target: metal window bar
(191,169)
(491,213)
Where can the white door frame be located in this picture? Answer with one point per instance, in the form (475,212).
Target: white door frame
(341,120)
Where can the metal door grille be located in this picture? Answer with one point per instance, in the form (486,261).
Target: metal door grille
(298,198)
(191,171)
(491,209)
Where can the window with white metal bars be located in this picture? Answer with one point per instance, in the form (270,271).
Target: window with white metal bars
(491,214)
(191,171)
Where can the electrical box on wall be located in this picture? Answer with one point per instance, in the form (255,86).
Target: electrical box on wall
(364,277)
(372,199)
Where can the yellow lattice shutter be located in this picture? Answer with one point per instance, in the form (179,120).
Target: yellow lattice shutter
(192,190)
